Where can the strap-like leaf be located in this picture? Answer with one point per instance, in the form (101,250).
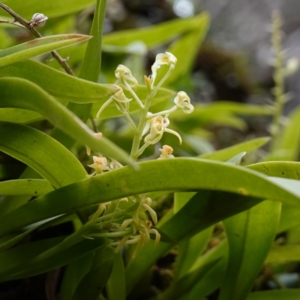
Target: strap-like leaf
(181,174)
(20,93)
(54,8)
(42,153)
(58,84)
(250,235)
(38,46)
(28,187)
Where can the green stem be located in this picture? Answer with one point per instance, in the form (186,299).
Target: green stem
(142,149)
(112,234)
(164,112)
(127,116)
(142,123)
(155,90)
(134,95)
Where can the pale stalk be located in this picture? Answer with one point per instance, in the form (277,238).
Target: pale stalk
(139,132)
(278,77)
(134,95)
(143,116)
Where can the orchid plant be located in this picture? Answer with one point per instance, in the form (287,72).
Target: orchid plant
(108,222)
(148,130)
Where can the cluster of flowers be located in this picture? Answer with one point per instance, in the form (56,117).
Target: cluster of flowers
(136,227)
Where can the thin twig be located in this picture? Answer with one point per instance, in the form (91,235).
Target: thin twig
(27,24)
(12,23)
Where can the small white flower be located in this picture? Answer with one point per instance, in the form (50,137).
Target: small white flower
(183,101)
(162,59)
(38,20)
(158,125)
(100,165)
(125,78)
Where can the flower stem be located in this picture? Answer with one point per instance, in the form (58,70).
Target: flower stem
(134,95)
(142,123)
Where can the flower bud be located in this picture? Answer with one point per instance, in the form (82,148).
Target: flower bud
(38,20)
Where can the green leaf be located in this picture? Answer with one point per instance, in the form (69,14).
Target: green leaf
(17,115)
(236,160)
(287,146)
(19,262)
(227,153)
(250,235)
(117,279)
(73,275)
(214,277)
(220,113)
(58,84)
(181,174)
(155,35)
(38,46)
(54,8)
(29,187)
(187,47)
(42,153)
(233,108)
(94,281)
(29,96)
(285,294)
(91,64)
(189,249)
(290,216)
(286,253)
(186,283)
(284,169)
